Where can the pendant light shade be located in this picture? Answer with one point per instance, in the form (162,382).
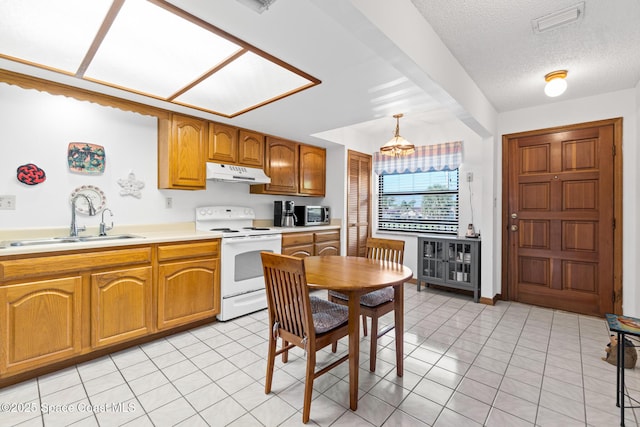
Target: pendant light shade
(397,146)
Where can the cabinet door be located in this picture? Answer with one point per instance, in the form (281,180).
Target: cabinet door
(299,251)
(251,149)
(41,323)
(223,143)
(282,166)
(181,153)
(120,305)
(327,248)
(188,291)
(358,203)
(312,170)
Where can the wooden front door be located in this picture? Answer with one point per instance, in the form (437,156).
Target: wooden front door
(560,218)
(358,202)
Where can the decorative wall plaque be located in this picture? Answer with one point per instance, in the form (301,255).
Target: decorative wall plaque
(30,174)
(86,158)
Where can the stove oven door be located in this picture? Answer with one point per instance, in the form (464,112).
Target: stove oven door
(242,282)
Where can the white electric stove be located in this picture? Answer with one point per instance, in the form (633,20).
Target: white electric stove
(241,276)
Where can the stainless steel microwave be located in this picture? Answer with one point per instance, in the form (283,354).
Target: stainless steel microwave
(312,215)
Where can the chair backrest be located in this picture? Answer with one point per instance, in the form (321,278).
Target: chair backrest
(385,249)
(287,296)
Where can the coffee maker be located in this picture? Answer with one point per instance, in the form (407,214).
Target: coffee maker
(283,215)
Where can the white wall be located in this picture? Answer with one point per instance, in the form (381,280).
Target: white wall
(610,105)
(38,127)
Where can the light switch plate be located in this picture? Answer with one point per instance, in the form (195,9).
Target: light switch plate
(8,203)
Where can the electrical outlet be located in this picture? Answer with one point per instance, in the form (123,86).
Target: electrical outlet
(8,203)
(168,202)
(469,176)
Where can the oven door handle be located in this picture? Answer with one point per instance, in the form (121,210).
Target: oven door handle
(251,239)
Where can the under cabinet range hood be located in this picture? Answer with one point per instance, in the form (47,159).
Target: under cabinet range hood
(232,173)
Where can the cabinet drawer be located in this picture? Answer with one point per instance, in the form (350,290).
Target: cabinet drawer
(326,236)
(210,248)
(75,262)
(291,239)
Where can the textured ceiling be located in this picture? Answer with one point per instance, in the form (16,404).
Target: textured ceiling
(363,79)
(495,42)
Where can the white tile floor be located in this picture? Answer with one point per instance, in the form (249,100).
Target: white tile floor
(466,365)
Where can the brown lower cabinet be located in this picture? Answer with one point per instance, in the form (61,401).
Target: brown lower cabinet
(186,273)
(121,303)
(304,244)
(60,306)
(41,322)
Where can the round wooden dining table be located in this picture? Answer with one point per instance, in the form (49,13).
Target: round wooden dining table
(356,276)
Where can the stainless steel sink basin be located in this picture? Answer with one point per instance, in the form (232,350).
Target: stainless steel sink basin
(58,240)
(108,237)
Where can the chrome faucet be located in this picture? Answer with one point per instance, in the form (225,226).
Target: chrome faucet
(74,229)
(103,227)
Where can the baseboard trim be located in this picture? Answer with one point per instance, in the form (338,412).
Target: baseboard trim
(490,301)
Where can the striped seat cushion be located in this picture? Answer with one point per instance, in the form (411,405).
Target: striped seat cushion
(372,299)
(327,315)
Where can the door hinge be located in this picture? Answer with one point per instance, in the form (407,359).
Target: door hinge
(613,296)
(613,223)
(614,150)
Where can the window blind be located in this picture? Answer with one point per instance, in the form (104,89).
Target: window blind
(420,202)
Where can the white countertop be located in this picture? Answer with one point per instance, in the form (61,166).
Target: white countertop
(145,234)
(306,229)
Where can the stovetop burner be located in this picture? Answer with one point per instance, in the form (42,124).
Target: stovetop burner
(231,221)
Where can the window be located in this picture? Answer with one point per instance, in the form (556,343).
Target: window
(419,201)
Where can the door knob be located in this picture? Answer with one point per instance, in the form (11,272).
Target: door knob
(514,228)
(514,215)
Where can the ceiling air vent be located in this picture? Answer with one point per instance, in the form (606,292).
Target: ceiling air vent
(257,5)
(559,18)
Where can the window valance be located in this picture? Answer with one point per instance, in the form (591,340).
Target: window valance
(438,157)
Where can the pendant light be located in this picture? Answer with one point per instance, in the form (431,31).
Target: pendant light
(556,83)
(397,146)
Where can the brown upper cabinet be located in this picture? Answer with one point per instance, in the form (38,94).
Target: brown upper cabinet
(312,170)
(181,150)
(230,145)
(294,169)
(250,148)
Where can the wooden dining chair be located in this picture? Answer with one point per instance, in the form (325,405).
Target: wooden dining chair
(377,303)
(308,322)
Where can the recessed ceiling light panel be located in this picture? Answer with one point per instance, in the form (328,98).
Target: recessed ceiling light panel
(149,47)
(248,81)
(56,34)
(158,58)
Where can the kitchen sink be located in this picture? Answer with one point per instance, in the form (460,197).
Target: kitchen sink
(58,240)
(108,237)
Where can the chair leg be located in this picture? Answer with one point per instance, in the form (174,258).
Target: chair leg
(334,346)
(374,344)
(308,386)
(271,358)
(364,325)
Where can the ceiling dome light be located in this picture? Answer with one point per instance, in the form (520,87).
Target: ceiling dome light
(397,146)
(556,83)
